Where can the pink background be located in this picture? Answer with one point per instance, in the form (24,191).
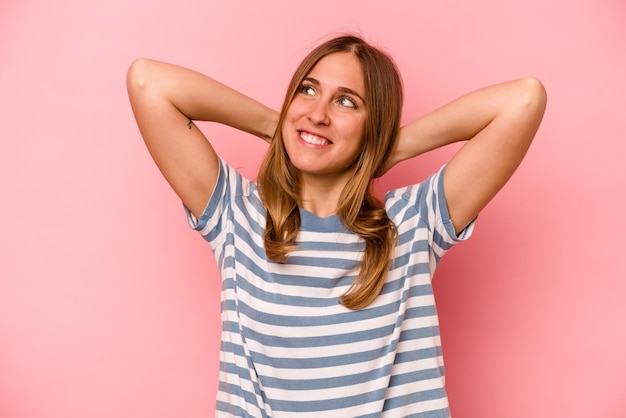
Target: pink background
(108,303)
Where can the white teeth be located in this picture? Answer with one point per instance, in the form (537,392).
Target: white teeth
(312,139)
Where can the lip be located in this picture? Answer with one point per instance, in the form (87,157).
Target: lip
(313,139)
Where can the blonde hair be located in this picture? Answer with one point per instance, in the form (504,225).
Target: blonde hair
(359,208)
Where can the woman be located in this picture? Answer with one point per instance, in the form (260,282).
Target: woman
(327,303)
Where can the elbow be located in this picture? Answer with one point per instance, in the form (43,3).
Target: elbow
(137,75)
(533,94)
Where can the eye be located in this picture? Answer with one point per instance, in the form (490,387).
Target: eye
(306,89)
(347,102)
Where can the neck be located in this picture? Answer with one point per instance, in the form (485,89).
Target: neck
(319,195)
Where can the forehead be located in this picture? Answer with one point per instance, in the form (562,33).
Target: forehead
(339,70)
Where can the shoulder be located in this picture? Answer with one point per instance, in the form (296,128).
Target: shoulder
(419,197)
(233,193)
(424,206)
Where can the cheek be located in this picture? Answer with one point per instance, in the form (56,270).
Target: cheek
(356,129)
(295,110)
(289,121)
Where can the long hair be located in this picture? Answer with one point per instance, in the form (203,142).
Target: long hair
(359,209)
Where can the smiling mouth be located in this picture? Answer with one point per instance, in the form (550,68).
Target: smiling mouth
(313,139)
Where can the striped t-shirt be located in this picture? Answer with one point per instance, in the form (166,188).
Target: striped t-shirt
(289,349)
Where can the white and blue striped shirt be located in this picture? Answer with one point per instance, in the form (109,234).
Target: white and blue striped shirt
(289,349)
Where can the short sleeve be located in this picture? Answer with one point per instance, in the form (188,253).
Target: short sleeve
(423,207)
(212,221)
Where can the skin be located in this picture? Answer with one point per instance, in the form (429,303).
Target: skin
(323,130)
(497,122)
(164,97)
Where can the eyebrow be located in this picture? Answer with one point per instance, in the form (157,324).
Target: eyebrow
(340,88)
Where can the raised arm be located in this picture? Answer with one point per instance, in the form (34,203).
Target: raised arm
(165,99)
(499,123)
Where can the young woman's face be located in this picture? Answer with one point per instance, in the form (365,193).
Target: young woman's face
(324,125)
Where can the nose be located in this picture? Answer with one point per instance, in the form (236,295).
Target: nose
(318,114)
